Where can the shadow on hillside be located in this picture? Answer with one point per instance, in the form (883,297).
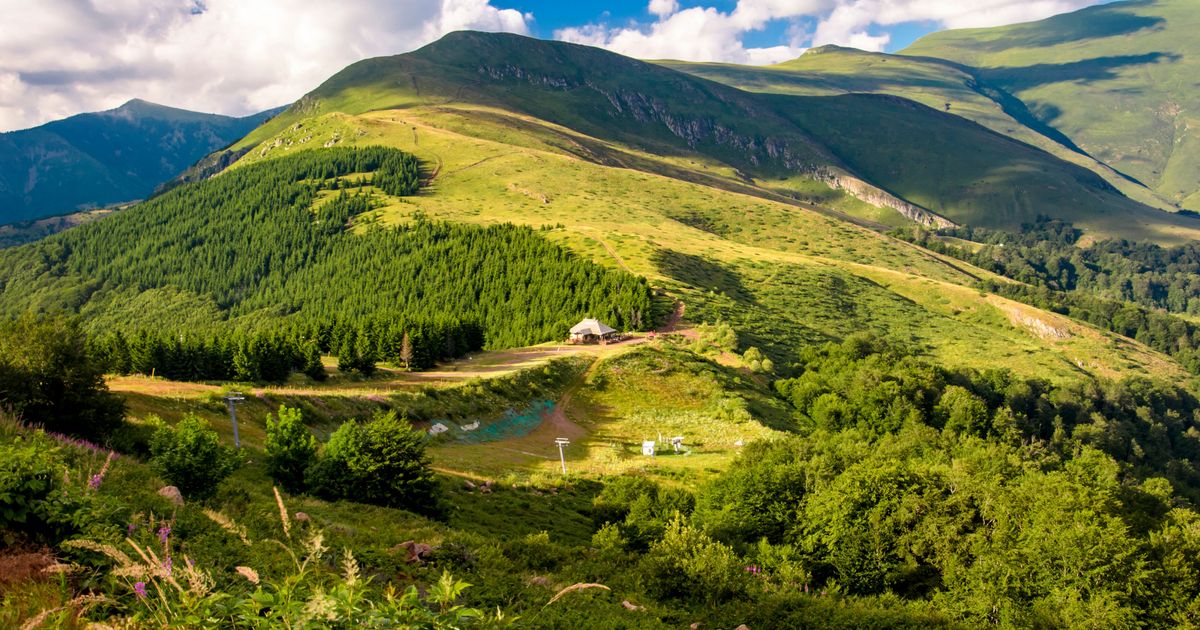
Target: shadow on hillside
(702,274)
(1098,69)
(1095,23)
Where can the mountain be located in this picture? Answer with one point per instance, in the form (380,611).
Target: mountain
(836,427)
(97,159)
(1118,79)
(760,210)
(936,167)
(942,85)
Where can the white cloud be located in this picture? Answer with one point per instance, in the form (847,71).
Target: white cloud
(705,33)
(663,8)
(60,57)
(694,34)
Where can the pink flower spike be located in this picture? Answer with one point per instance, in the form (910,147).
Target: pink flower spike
(140,589)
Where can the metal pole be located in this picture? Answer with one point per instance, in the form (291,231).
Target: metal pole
(561,442)
(230,401)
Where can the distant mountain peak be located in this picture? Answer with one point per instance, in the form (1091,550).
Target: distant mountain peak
(138,108)
(828,48)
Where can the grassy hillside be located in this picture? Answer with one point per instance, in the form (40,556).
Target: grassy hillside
(763,144)
(102,158)
(1118,79)
(784,274)
(939,84)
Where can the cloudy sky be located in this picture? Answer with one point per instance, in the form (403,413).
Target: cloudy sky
(62,57)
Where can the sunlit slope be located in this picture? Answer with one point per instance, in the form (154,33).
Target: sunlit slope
(936,83)
(1119,79)
(783,274)
(884,147)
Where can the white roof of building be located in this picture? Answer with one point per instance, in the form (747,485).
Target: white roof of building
(591,327)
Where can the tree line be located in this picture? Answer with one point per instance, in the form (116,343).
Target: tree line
(1046,253)
(272,354)
(266,256)
(1132,289)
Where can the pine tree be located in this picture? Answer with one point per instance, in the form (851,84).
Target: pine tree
(347,357)
(406,351)
(313,368)
(365,354)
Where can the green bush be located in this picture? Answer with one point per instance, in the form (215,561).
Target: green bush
(685,564)
(290,447)
(191,457)
(382,462)
(47,377)
(44,499)
(758,497)
(640,508)
(29,476)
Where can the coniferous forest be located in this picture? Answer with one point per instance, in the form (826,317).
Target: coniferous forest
(270,254)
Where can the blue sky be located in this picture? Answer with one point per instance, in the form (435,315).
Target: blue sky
(241,56)
(551,15)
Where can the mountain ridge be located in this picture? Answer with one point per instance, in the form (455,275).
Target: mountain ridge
(102,158)
(1115,78)
(764,138)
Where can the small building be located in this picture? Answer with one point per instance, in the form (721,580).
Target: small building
(592,331)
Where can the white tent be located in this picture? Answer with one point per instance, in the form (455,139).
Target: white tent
(591,327)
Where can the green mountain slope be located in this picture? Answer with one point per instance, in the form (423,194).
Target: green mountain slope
(935,163)
(729,245)
(936,83)
(1118,79)
(701,221)
(107,157)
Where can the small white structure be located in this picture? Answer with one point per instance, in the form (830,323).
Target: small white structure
(470,427)
(592,331)
(677,443)
(437,428)
(648,448)
(562,443)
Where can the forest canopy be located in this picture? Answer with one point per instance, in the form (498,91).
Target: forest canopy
(271,250)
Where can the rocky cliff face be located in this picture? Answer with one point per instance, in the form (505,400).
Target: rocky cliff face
(697,131)
(879,197)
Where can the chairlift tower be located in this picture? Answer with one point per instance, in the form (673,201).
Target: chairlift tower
(230,401)
(562,443)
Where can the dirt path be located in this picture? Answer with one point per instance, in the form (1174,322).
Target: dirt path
(480,365)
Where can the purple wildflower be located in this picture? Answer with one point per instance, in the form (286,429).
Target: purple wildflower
(163,533)
(129,529)
(140,589)
(754,568)
(167,565)
(66,439)
(95,481)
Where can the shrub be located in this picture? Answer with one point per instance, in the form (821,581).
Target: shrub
(639,507)
(961,411)
(47,377)
(28,477)
(42,498)
(191,457)
(758,497)
(290,447)
(157,592)
(686,564)
(381,462)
